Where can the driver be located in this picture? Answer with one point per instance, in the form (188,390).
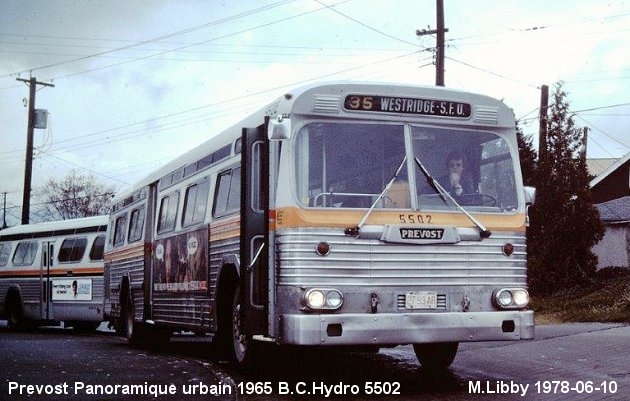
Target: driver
(456,182)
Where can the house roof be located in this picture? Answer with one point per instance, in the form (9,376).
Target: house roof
(615,211)
(614,166)
(596,166)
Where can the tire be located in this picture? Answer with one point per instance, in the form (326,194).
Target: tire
(15,316)
(436,356)
(140,334)
(222,339)
(128,321)
(242,348)
(14,312)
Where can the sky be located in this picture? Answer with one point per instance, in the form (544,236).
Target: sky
(137,83)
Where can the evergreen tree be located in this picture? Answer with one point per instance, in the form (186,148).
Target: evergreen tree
(564,222)
(527,155)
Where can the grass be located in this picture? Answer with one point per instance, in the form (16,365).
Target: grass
(607,299)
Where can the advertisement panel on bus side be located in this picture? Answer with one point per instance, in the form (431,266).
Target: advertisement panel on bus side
(181,262)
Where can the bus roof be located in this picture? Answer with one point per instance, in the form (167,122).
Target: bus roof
(61,227)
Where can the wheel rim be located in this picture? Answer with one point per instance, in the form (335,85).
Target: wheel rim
(129,317)
(12,319)
(239,339)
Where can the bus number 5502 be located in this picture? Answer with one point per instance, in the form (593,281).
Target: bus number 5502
(415,218)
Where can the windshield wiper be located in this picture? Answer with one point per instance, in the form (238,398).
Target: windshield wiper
(483,231)
(354,231)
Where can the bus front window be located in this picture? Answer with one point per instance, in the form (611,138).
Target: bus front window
(343,165)
(348,165)
(475,167)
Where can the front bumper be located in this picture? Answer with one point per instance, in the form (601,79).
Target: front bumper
(408,328)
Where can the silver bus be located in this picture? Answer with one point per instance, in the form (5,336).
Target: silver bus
(329,219)
(53,272)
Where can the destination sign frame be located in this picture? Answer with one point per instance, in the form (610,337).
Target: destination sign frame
(407,105)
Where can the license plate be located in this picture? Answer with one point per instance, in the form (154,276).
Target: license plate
(421,300)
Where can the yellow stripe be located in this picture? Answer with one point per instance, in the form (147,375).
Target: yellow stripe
(225,229)
(293,217)
(57,271)
(127,253)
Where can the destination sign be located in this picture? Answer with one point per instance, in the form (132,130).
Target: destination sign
(407,105)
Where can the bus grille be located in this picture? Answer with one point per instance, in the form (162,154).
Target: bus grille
(362,262)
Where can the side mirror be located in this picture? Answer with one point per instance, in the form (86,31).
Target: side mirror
(530,198)
(279,128)
(530,195)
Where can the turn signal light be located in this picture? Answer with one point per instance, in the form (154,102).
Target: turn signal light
(323,248)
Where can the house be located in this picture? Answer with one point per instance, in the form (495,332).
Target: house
(614,248)
(611,194)
(612,179)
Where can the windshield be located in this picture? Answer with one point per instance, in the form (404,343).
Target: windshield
(348,165)
(475,167)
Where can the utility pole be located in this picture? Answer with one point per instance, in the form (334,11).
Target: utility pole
(584,144)
(28,166)
(439,46)
(4,214)
(542,119)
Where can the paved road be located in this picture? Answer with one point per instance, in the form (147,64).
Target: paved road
(57,364)
(589,361)
(565,362)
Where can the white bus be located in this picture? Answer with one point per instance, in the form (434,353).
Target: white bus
(323,220)
(53,272)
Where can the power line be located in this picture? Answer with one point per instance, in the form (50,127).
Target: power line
(333,9)
(602,131)
(601,107)
(223,102)
(538,28)
(176,48)
(493,73)
(156,39)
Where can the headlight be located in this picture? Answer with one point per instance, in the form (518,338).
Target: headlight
(315,299)
(510,298)
(323,299)
(521,298)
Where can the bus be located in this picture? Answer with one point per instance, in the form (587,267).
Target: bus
(321,221)
(53,272)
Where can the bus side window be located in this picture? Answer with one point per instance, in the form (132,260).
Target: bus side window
(25,253)
(119,230)
(96,253)
(136,224)
(72,249)
(195,203)
(5,251)
(228,193)
(168,213)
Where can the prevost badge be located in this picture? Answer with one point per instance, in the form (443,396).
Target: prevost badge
(422,233)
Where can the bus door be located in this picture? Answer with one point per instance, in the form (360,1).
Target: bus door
(254,269)
(48,251)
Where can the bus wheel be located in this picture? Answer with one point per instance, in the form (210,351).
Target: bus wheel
(241,348)
(128,318)
(436,356)
(14,312)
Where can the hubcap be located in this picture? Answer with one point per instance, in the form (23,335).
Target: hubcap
(239,339)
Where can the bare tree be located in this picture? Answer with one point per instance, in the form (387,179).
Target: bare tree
(76,195)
